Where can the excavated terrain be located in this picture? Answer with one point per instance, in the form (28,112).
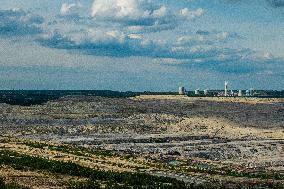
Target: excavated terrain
(211,133)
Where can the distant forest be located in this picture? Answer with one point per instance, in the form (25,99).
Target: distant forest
(38,97)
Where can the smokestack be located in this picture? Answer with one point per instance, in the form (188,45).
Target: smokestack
(226,88)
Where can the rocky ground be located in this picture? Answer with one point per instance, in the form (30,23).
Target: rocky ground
(242,134)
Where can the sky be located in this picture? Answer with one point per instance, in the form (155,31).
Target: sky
(141,45)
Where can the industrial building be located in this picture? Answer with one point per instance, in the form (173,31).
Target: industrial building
(220,93)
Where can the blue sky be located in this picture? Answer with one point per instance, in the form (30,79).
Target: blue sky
(141,45)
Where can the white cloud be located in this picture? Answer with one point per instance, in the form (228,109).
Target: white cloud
(191,14)
(223,35)
(66,8)
(116,8)
(191,40)
(135,36)
(268,56)
(117,35)
(161,12)
(128,10)
(142,16)
(136,29)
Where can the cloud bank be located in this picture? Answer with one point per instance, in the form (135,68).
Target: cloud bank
(19,23)
(184,34)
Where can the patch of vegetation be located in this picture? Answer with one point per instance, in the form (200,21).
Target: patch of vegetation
(81,151)
(125,179)
(4,185)
(193,168)
(229,172)
(35,144)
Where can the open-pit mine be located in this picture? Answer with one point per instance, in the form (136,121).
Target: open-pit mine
(198,142)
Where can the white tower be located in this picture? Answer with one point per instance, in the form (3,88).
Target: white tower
(251,92)
(181,91)
(226,88)
(240,93)
(197,92)
(206,93)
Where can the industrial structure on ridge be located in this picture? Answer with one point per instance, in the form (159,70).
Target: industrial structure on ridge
(225,93)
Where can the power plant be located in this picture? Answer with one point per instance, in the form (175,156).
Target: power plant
(221,93)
